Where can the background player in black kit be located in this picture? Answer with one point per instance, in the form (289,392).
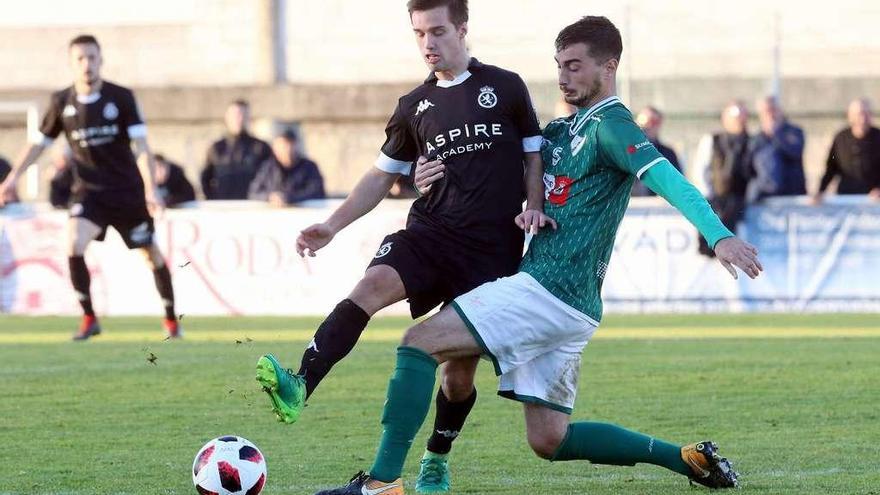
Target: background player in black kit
(479,120)
(115,184)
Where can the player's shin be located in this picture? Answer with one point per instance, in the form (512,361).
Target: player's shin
(81,280)
(334,339)
(406,406)
(166,291)
(604,443)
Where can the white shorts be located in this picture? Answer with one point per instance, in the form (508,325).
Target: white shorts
(533,339)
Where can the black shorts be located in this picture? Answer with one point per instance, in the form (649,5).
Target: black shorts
(132,221)
(435,268)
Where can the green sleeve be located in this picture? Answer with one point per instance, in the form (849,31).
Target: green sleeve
(624,146)
(665,180)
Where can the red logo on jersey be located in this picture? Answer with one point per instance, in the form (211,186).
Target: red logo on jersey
(631,149)
(559,194)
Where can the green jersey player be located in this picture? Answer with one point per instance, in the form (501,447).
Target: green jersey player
(534,325)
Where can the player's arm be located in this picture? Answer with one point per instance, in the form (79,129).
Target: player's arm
(27,156)
(50,128)
(533,218)
(397,157)
(625,146)
(368,192)
(147,168)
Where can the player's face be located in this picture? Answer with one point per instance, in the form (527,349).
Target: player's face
(284,150)
(582,78)
(859,115)
(85,60)
(440,42)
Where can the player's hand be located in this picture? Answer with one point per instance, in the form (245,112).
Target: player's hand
(313,238)
(533,220)
(427,173)
(816,199)
(874,195)
(733,252)
(155,204)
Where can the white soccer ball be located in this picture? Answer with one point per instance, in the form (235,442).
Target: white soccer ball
(229,465)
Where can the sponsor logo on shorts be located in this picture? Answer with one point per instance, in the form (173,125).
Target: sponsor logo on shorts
(383,250)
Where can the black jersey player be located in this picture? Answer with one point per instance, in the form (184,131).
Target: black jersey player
(479,120)
(114,174)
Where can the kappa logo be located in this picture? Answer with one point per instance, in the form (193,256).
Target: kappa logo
(557,155)
(423,105)
(111,111)
(451,434)
(487,97)
(383,250)
(69,111)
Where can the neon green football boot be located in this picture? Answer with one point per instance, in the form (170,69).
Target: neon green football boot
(286,389)
(433,473)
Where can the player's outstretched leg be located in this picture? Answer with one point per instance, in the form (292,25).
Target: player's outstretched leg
(603,443)
(454,401)
(334,339)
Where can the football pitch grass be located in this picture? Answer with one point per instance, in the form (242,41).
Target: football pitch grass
(794,401)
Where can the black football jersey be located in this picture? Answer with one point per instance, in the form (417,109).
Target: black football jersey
(480,125)
(99,128)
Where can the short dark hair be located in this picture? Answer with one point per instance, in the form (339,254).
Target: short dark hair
(458,9)
(84,39)
(240,102)
(598,33)
(289,135)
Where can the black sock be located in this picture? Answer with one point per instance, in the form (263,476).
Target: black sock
(333,341)
(82,281)
(448,421)
(166,291)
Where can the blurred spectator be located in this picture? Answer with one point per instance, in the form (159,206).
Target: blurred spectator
(171,182)
(777,155)
(403,188)
(63,178)
(728,168)
(854,155)
(651,120)
(233,161)
(286,177)
(5,168)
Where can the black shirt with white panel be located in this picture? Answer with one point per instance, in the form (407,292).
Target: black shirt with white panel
(480,125)
(99,128)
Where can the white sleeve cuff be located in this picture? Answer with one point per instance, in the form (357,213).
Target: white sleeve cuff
(137,131)
(532,144)
(644,169)
(39,138)
(387,164)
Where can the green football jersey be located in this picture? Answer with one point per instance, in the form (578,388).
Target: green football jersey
(590,162)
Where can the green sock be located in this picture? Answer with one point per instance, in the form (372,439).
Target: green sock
(604,443)
(406,406)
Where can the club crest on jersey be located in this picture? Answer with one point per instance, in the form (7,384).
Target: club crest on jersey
(487,97)
(423,105)
(557,155)
(69,111)
(111,111)
(383,250)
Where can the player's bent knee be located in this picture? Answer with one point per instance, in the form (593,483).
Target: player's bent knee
(545,444)
(380,287)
